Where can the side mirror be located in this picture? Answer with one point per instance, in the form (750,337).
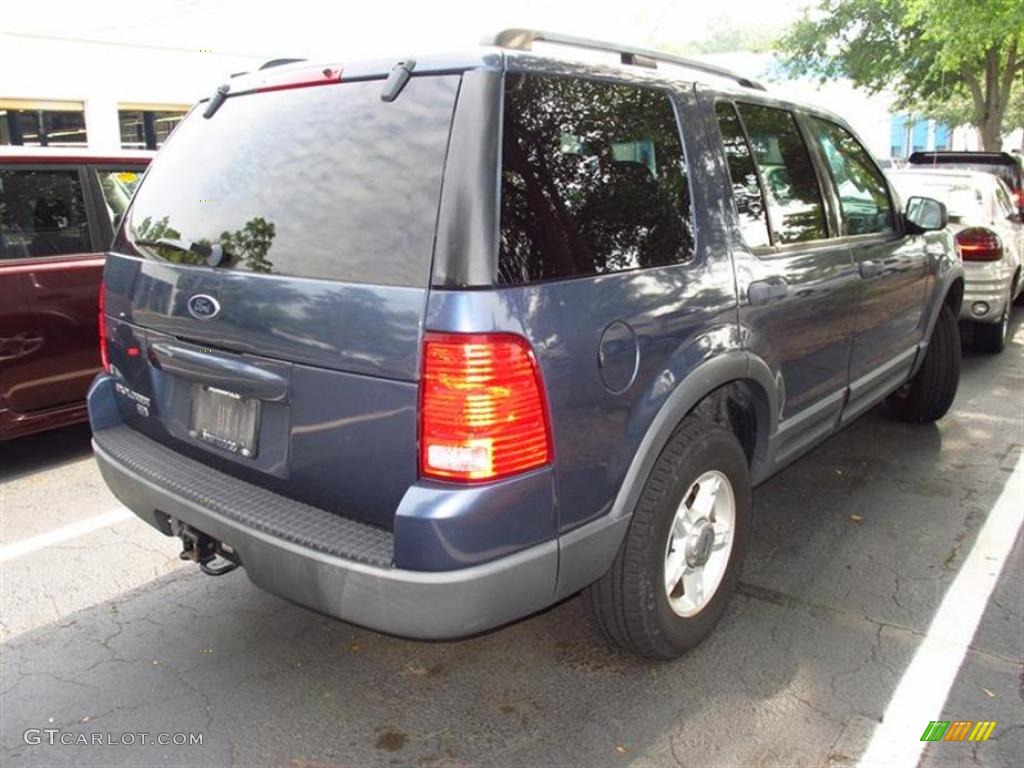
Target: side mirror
(925,215)
(1016,218)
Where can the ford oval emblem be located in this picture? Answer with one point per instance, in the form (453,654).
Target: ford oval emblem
(202,306)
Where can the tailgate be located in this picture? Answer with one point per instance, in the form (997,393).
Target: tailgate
(292,363)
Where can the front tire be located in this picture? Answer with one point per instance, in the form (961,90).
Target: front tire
(679,563)
(929,394)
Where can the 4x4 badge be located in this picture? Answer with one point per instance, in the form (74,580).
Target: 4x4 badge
(202,306)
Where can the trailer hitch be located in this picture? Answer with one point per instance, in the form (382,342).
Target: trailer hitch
(214,558)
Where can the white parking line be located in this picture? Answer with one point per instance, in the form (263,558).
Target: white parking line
(59,536)
(925,685)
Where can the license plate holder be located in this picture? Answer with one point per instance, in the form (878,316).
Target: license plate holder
(225,419)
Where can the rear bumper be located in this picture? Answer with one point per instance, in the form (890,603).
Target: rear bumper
(360,588)
(986,288)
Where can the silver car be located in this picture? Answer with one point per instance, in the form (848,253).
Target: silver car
(990,241)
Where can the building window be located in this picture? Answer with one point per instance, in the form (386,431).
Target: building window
(146,127)
(42,123)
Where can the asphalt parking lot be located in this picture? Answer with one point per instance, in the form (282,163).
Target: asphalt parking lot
(853,551)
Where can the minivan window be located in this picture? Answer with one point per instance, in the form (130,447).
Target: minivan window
(118,187)
(746,191)
(324,182)
(593,180)
(42,213)
(795,208)
(863,195)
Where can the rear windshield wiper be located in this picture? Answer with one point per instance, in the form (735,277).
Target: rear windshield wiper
(213,253)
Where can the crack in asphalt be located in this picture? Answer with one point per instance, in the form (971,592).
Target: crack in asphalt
(781,599)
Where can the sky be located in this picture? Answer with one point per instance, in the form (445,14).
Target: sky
(316,28)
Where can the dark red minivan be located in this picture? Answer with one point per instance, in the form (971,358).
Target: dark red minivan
(58,212)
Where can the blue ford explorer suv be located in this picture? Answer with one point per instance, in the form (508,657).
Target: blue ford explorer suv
(430,345)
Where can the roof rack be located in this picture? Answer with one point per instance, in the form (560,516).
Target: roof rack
(523,40)
(278,63)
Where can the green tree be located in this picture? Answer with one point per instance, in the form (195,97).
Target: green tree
(724,35)
(930,52)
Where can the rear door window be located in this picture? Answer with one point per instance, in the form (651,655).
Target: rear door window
(322,182)
(42,213)
(863,195)
(593,180)
(746,191)
(795,208)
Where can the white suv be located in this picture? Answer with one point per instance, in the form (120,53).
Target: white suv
(989,238)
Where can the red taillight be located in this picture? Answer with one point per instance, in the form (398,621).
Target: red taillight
(482,410)
(979,244)
(299,78)
(102,328)
(1018,198)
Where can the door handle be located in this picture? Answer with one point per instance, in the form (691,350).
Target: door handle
(871,268)
(764,291)
(235,375)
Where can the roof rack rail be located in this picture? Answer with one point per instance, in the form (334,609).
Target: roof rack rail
(523,40)
(278,63)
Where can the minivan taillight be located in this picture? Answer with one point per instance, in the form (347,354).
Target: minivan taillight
(101,326)
(979,244)
(482,409)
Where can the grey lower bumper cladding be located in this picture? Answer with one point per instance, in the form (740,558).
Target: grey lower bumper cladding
(360,588)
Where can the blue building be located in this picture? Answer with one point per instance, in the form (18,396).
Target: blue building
(914,134)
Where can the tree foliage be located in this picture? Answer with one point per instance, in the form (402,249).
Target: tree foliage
(931,53)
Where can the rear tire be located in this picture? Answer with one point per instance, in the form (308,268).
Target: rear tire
(680,527)
(990,338)
(929,394)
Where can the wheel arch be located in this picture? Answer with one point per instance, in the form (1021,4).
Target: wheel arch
(586,553)
(735,377)
(955,294)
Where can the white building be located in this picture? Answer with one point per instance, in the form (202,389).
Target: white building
(101,95)
(107,95)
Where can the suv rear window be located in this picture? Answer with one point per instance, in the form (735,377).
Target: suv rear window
(593,180)
(321,182)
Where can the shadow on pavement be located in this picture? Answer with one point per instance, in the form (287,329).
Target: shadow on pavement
(36,453)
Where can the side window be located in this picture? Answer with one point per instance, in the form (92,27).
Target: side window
(863,195)
(42,213)
(795,209)
(1005,208)
(118,188)
(745,188)
(593,180)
